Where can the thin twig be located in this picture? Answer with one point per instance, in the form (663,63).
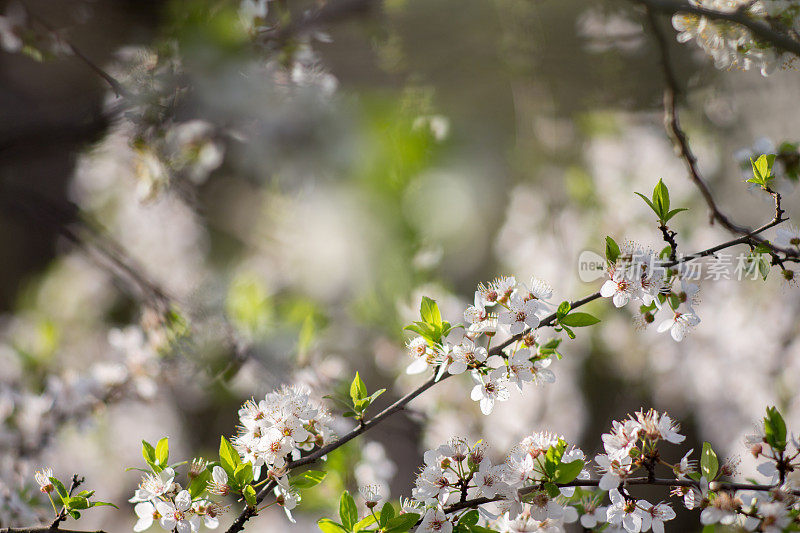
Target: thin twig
(115,85)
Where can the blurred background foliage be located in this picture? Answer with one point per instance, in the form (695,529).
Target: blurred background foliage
(439,144)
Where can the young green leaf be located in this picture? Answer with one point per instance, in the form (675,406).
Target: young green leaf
(579,320)
(470,518)
(552,489)
(162,452)
(563,309)
(62,491)
(149,453)
(364,523)
(709,464)
(673,213)
(249,494)
(327,525)
(401,523)
(775,429)
(429,312)
(307,479)
(661,199)
(387,513)
(358,390)
(77,502)
(228,456)
(612,250)
(243,474)
(567,472)
(198,485)
(348,512)
(102,504)
(762,170)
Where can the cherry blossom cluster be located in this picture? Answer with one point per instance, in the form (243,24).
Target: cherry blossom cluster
(732,45)
(160,499)
(638,274)
(502,306)
(280,427)
(456,471)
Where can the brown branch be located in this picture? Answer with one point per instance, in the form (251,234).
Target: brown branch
(718,485)
(681,142)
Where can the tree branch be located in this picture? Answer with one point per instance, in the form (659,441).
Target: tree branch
(44,529)
(722,485)
(759,29)
(679,139)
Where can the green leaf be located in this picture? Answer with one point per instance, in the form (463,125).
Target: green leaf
(429,312)
(774,429)
(243,474)
(552,490)
(387,513)
(470,518)
(348,511)
(401,523)
(162,452)
(365,522)
(563,309)
(567,472)
(661,200)
(417,329)
(674,212)
(149,453)
(375,395)
(579,320)
(62,491)
(307,479)
(249,494)
(77,502)
(75,514)
(612,250)
(649,203)
(358,390)
(481,529)
(198,485)
(228,456)
(709,464)
(569,332)
(762,170)
(326,525)
(763,267)
(102,504)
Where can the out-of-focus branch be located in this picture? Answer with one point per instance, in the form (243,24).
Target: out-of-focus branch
(115,85)
(681,142)
(759,29)
(330,12)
